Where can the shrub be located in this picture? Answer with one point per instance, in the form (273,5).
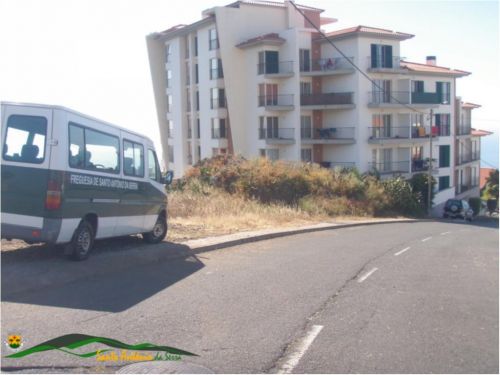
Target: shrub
(401,197)
(419,183)
(475,204)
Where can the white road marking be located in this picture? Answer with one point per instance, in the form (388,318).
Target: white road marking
(302,345)
(426,239)
(367,275)
(445,233)
(402,251)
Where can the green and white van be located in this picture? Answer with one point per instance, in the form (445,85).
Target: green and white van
(68,178)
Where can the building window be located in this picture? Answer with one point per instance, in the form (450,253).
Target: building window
(444,182)
(189,128)
(306,155)
(381,56)
(442,122)
(195,46)
(216,69)
(196,77)
(443,92)
(198,152)
(213,41)
(417,86)
(444,156)
(168,53)
(305,60)
(189,153)
(187,47)
(268,127)
(381,91)
(305,127)
(188,100)
(305,88)
(217,98)
(381,126)
(170,153)
(268,62)
(273,154)
(169,78)
(197,128)
(218,128)
(188,74)
(169,103)
(197,100)
(262,152)
(268,94)
(170,128)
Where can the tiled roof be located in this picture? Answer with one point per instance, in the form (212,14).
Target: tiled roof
(271,4)
(484,173)
(470,105)
(369,31)
(425,68)
(480,133)
(271,38)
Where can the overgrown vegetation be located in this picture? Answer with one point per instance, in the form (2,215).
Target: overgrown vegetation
(298,190)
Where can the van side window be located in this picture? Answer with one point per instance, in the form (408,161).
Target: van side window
(25,139)
(93,150)
(153,167)
(133,159)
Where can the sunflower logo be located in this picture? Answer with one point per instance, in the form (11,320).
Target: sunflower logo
(14,341)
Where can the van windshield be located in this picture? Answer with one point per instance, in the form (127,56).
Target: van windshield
(25,139)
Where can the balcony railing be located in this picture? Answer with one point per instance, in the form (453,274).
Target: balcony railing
(467,157)
(333,98)
(275,100)
(380,62)
(282,67)
(337,164)
(219,133)
(475,155)
(334,133)
(216,73)
(218,103)
(277,133)
(390,167)
(425,98)
(419,165)
(213,44)
(390,132)
(402,97)
(327,64)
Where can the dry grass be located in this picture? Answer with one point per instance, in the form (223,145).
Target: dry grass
(214,212)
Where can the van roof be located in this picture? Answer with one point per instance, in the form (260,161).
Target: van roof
(76,113)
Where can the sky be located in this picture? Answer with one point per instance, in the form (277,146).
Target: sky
(91,56)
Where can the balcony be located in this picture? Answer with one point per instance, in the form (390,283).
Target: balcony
(390,167)
(276,102)
(399,134)
(394,99)
(338,164)
(217,103)
(378,64)
(464,187)
(280,136)
(282,69)
(419,165)
(219,133)
(327,66)
(333,100)
(332,135)
(216,73)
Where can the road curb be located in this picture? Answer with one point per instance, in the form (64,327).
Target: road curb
(284,233)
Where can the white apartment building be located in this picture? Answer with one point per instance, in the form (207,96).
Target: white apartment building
(257,79)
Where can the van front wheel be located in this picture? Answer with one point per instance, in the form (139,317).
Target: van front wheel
(82,241)
(158,233)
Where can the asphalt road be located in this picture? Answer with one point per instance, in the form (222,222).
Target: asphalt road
(323,302)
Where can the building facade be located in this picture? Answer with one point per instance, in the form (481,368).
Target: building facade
(256,78)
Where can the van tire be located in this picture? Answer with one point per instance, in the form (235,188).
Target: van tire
(158,233)
(82,241)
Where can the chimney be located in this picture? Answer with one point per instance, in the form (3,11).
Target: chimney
(431,60)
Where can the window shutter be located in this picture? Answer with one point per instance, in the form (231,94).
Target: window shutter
(374,55)
(388,56)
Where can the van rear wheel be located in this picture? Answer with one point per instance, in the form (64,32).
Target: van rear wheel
(82,241)
(158,233)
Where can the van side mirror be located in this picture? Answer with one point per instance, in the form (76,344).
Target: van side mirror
(167,179)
